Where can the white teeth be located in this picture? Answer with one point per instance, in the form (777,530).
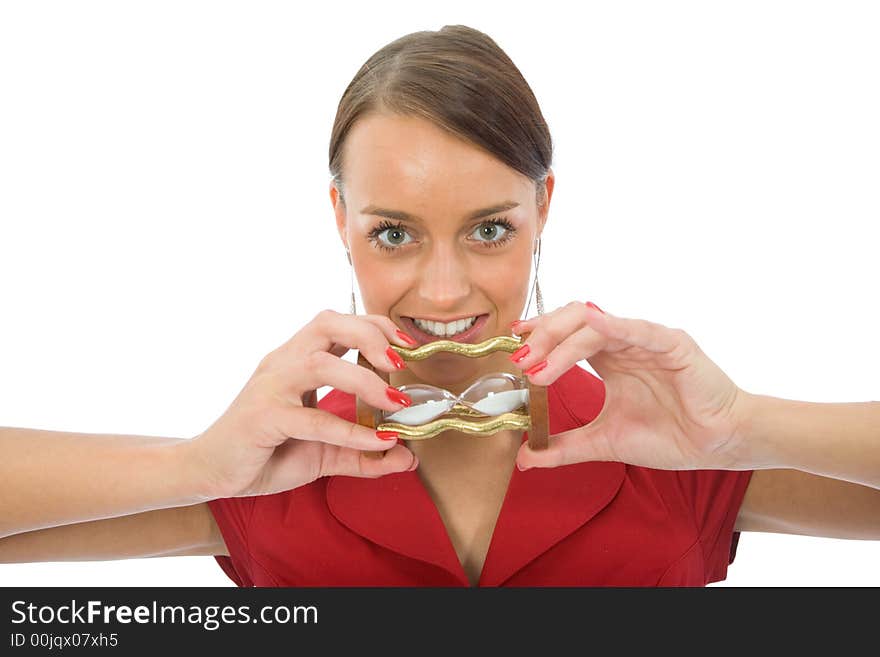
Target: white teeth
(445,330)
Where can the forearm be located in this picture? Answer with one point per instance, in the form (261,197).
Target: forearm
(839,440)
(51,478)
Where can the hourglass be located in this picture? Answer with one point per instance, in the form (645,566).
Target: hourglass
(492,403)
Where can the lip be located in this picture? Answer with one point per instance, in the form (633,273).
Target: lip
(466,336)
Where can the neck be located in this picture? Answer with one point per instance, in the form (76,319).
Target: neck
(461,451)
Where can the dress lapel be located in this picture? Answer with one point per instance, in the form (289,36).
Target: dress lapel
(545,505)
(541,507)
(396,512)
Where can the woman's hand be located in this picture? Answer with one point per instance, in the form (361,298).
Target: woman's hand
(666,404)
(272,437)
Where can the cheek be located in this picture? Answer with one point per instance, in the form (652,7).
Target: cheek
(381,285)
(505,281)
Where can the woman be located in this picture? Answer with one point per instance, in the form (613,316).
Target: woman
(441,190)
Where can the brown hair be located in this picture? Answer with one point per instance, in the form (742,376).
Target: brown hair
(460,79)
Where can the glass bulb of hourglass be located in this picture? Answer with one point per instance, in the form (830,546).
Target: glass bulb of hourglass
(490,395)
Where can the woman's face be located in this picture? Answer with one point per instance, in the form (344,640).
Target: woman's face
(412,192)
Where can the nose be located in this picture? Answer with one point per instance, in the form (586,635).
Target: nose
(446,280)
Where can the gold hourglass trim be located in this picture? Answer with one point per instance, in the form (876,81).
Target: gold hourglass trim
(478,350)
(491,425)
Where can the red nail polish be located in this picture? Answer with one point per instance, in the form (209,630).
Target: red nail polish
(534,369)
(386,435)
(593,305)
(520,353)
(406,338)
(398,397)
(395,358)
(514,325)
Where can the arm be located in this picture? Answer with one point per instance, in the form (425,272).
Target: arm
(841,440)
(51,478)
(172,532)
(75,497)
(794,502)
(833,486)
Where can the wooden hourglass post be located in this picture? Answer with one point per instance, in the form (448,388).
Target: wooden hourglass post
(539,421)
(539,430)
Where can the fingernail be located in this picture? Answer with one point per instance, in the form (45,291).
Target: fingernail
(387,435)
(395,358)
(415,464)
(406,338)
(520,468)
(398,397)
(593,305)
(534,369)
(520,353)
(514,325)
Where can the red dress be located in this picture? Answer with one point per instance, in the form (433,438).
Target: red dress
(587,524)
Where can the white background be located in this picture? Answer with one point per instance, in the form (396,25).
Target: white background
(165,221)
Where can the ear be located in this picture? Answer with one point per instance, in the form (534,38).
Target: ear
(339,210)
(544,208)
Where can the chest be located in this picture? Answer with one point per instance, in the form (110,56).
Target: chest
(581,525)
(469,501)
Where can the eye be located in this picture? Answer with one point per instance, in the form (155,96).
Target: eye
(390,237)
(394,237)
(496,232)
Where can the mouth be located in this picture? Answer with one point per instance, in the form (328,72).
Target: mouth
(431,331)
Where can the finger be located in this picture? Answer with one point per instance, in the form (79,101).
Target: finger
(319,425)
(321,368)
(521,326)
(636,332)
(392,331)
(352,463)
(583,344)
(548,332)
(336,333)
(587,443)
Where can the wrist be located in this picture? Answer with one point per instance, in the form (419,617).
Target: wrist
(189,472)
(754,434)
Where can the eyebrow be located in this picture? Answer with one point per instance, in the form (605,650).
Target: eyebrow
(405,216)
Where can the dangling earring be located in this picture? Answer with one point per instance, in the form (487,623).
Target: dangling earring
(536,287)
(353,309)
(539,300)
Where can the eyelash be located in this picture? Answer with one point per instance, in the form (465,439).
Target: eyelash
(373,235)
